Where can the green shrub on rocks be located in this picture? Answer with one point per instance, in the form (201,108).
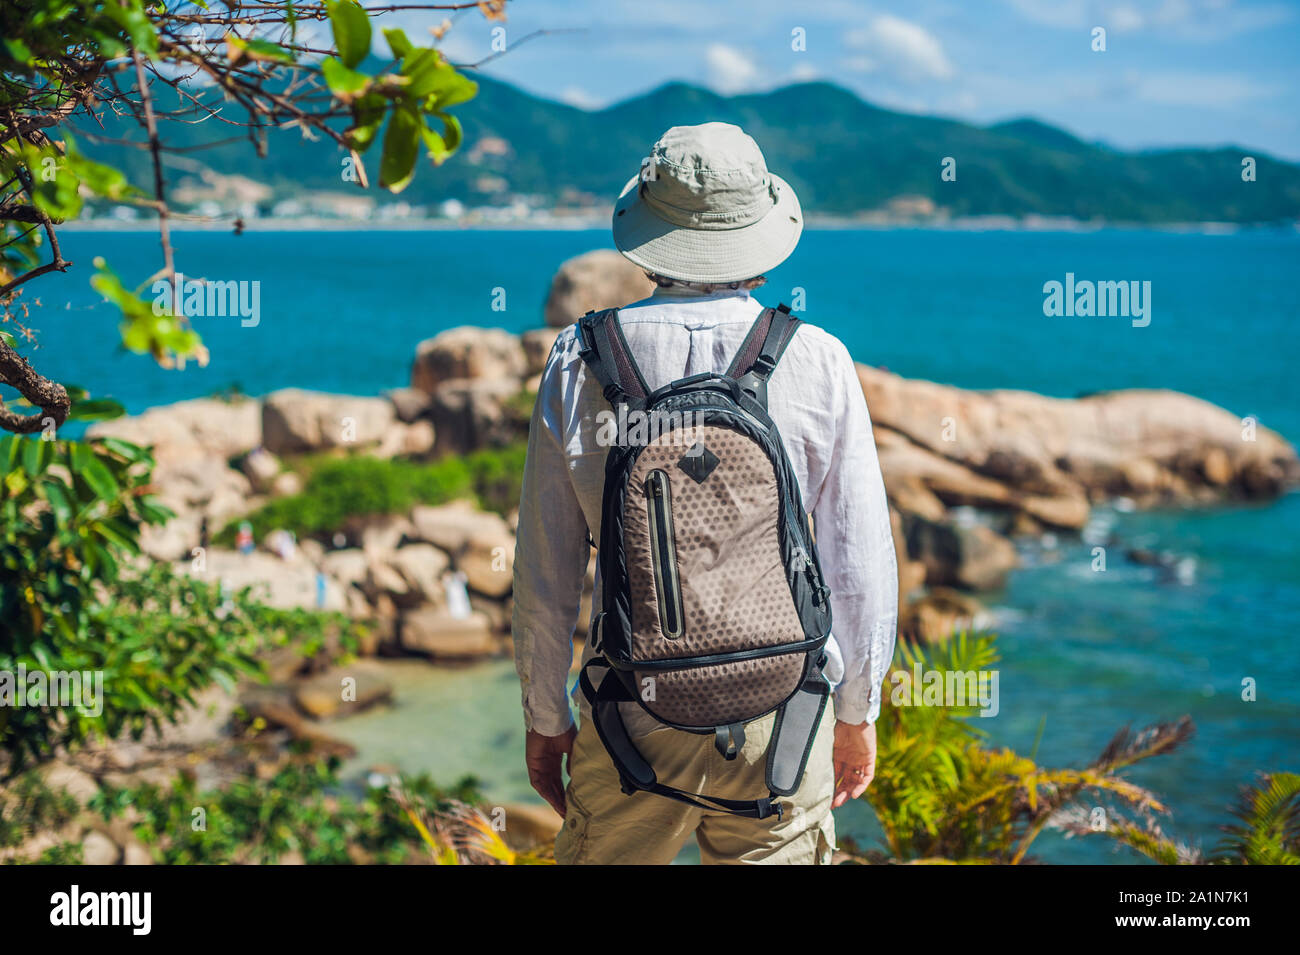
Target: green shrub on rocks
(341,488)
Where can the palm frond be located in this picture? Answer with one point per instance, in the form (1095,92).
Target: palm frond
(1147,840)
(1268,827)
(1126,747)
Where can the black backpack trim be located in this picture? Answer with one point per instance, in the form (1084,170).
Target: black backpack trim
(604,349)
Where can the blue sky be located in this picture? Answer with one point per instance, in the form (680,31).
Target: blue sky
(1175,72)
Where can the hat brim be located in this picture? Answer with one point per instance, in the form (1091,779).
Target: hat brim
(706,255)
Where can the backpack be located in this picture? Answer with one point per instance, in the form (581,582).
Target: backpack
(714,611)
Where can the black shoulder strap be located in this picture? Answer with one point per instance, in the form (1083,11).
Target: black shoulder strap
(792,739)
(604,349)
(634,772)
(762,349)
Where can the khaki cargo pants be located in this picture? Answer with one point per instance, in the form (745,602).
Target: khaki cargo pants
(602,826)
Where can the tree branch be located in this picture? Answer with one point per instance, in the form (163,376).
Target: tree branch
(50,396)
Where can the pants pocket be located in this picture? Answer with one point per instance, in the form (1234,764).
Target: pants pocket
(571,842)
(824,848)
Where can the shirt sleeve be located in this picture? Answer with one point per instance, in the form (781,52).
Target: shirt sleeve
(550,561)
(856,549)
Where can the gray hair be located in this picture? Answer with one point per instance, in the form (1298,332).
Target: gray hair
(706,287)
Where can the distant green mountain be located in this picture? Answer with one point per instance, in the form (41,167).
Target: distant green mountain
(843,156)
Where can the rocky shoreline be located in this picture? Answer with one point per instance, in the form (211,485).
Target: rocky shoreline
(1026,464)
(967,473)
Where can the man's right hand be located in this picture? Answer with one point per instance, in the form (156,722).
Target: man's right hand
(544,756)
(854,759)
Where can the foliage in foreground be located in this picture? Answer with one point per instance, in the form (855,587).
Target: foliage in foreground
(79,598)
(66,62)
(339,489)
(942,796)
(297,813)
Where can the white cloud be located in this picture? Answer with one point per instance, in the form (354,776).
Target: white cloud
(577,96)
(1189,19)
(1209,90)
(1125,19)
(730,71)
(900,46)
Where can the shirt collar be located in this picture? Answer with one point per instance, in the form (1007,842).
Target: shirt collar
(683,291)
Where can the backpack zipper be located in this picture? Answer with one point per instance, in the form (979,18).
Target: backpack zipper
(663,553)
(801,561)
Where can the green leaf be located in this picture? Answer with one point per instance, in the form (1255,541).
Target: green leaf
(96,409)
(131,452)
(426,71)
(55,185)
(451,131)
(35,455)
(458,89)
(367,116)
(130,15)
(10,449)
(435,144)
(401,148)
(266,50)
(120,534)
(56,493)
(100,478)
(18,51)
(398,43)
(342,80)
(145,329)
(351,28)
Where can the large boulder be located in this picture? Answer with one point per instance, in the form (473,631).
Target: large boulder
(421,567)
(99,849)
(481,544)
(342,690)
(347,566)
(537,347)
(469,414)
(488,560)
(939,614)
(435,632)
(911,573)
(450,527)
(61,777)
(594,280)
(413,440)
(201,428)
(297,421)
(174,540)
(971,557)
(467,352)
(275,582)
(261,467)
(409,404)
(1152,444)
(194,483)
(377,533)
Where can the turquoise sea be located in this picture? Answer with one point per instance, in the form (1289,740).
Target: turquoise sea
(1086,653)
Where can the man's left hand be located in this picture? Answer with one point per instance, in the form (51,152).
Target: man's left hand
(854,758)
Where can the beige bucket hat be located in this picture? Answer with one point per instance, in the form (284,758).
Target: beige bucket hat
(705,208)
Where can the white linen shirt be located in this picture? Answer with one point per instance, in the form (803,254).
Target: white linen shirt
(814,397)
